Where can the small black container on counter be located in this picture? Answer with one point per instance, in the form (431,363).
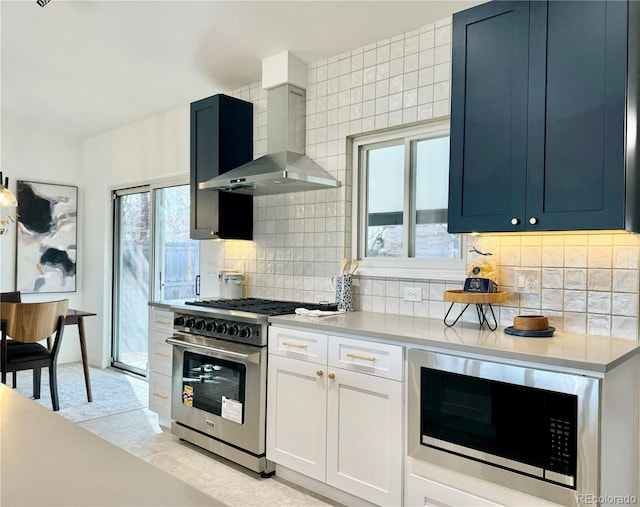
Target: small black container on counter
(480,285)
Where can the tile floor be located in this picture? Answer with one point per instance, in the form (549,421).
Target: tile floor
(138,432)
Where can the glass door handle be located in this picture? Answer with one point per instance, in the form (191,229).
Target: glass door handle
(197,285)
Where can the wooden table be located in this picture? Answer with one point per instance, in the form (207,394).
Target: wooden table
(76,317)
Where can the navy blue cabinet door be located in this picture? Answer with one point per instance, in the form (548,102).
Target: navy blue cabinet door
(489,118)
(577,103)
(541,101)
(221,139)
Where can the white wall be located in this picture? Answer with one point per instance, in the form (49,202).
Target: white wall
(35,153)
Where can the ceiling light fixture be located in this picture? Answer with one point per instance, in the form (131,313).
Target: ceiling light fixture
(7,199)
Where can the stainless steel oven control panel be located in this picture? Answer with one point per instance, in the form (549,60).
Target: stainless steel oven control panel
(221,327)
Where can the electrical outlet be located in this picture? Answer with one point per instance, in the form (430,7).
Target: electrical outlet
(526,281)
(412,294)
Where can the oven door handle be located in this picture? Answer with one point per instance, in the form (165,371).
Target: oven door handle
(208,348)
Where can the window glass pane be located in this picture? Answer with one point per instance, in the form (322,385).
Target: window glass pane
(385,200)
(431,165)
(177,255)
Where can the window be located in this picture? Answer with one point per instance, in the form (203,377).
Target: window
(401,182)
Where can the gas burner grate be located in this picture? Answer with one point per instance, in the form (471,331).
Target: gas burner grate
(260,306)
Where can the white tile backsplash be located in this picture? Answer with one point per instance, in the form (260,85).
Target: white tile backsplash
(589,282)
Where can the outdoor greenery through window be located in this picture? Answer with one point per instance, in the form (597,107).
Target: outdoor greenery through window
(402,196)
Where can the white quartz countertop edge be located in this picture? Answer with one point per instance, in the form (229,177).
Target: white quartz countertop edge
(596,354)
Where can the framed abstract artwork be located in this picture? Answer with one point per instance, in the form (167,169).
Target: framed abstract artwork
(46,246)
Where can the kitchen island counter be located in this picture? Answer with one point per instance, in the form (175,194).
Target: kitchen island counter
(47,460)
(598,354)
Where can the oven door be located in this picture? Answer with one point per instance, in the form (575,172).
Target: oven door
(219,389)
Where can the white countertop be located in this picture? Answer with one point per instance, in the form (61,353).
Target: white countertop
(49,461)
(567,350)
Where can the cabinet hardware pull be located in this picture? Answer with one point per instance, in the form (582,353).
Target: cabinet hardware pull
(319,373)
(296,345)
(162,322)
(163,396)
(162,354)
(533,220)
(358,356)
(515,221)
(331,375)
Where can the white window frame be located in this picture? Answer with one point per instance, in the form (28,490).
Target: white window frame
(406,267)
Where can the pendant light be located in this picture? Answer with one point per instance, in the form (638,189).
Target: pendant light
(7,199)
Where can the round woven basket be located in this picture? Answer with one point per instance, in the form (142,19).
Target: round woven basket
(530,322)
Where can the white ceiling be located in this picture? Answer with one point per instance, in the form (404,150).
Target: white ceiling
(87,66)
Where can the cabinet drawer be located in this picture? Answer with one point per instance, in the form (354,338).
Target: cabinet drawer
(160,320)
(379,359)
(160,353)
(298,344)
(160,394)
(423,492)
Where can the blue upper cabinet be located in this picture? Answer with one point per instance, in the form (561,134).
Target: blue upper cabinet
(221,140)
(544,117)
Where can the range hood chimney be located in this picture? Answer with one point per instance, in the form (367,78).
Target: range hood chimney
(285,168)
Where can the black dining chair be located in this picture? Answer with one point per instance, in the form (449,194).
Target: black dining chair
(27,324)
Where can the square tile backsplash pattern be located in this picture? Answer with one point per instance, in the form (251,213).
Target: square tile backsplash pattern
(589,283)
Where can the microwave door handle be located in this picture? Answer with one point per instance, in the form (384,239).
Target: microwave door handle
(207,348)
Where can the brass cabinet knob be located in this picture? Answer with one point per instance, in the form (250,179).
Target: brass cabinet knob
(319,373)
(515,221)
(533,220)
(332,375)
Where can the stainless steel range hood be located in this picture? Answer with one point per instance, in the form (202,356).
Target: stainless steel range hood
(285,168)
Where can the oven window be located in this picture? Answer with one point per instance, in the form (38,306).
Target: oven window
(214,385)
(519,423)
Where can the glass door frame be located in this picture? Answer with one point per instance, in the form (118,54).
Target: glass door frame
(115,288)
(154,279)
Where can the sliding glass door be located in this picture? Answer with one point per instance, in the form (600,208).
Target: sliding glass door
(132,235)
(154,259)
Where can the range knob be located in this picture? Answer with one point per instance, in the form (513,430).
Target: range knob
(199,324)
(189,323)
(245,332)
(221,328)
(178,321)
(233,330)
(211,325)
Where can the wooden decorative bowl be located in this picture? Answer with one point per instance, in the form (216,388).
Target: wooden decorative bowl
(478,298)
(530,322)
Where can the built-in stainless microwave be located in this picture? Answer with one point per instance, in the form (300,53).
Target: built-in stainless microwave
(524,428)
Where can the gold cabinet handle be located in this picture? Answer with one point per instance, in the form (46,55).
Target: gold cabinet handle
(161,354)
(296,345)
(358,356)
(331,375)
(319,373)
(162,396)
(163,322)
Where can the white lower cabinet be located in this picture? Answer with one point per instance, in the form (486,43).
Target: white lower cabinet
(159,359)
(296,415)
(339,421)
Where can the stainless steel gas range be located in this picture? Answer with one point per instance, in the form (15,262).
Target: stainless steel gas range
(219,384)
